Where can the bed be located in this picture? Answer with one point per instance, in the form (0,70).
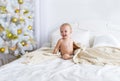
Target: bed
(42,65)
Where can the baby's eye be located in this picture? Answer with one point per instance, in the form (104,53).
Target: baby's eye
(61,31)
(65,31)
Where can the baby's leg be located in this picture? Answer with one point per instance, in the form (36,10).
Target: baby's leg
(66,56)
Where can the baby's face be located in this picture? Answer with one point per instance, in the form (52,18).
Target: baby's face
(65,31)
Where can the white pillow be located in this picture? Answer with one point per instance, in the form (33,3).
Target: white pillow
(81,36)
(78,35)
(106,40)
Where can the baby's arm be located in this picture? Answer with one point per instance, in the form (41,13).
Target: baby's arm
(57,46)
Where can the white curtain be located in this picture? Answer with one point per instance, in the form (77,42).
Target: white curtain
(41,26)
(37,22)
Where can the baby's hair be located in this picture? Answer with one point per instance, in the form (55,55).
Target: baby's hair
(66,24)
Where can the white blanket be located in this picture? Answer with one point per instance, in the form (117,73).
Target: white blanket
(98,56)
(39,56)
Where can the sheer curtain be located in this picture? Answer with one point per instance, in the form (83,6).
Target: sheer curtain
(37,22)
(41,25)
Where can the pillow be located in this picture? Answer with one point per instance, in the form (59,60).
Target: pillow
(81,36)
(78,35)
(106,40)
(93,34)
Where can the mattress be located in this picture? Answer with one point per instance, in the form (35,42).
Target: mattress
(57,70)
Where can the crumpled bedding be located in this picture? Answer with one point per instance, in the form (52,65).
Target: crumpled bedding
(95,56)
(40,55)
(98,56)
(44,54)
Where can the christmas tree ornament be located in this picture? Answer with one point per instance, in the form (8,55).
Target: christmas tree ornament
(14,19)
(20,1)
(30,27)
(24,43)
(13,48)
(2,50)
(30,17)
(17,11)
(18,56)
(1,28)
(21,19)
(9,35)
(19,31)
(3,9)
(25,11)
(25,34)
(14,37)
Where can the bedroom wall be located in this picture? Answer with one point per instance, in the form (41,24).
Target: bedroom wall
(55,12)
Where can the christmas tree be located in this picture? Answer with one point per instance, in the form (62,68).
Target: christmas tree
(16,26)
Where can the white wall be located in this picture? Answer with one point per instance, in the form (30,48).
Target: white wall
(55,12)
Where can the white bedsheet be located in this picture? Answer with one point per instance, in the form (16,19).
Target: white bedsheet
(58,70)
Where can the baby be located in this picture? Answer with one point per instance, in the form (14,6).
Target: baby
(65,45)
